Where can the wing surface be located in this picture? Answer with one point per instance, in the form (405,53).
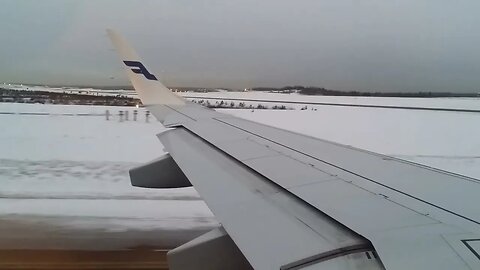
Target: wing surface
(290,201)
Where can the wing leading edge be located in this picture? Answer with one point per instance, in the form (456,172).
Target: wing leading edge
(289,201)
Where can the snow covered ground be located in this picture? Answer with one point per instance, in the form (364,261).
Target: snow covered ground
(449,103)
(71,172)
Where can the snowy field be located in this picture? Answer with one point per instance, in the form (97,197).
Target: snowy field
(447,103)
(71,172)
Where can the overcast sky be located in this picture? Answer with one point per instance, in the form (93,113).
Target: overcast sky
(404,45)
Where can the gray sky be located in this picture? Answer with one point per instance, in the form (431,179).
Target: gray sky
(395,45)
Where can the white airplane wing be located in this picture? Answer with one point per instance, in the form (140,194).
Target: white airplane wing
(289,201)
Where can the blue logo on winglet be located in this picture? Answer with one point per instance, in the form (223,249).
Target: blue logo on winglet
(139,68)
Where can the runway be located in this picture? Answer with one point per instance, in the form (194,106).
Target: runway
(33,244)
(82,259)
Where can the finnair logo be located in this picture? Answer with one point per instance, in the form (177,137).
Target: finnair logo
(139,68)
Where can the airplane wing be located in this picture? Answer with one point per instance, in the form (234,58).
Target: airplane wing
(289,201)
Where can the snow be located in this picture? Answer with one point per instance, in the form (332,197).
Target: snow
(72,171)
(450,103)
(61,179)
(83,138)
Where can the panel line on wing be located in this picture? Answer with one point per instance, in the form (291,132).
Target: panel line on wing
(423,166)
(351,172)
(179,112)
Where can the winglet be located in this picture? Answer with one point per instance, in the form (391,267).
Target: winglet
(150,90)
